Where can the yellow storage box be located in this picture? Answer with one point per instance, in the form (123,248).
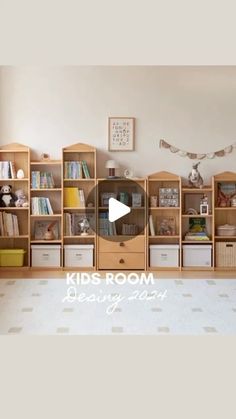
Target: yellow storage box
(12,257)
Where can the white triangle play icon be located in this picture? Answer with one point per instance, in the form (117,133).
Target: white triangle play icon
(117,209)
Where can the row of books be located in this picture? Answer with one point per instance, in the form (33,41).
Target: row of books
(76,170)
(197,230)
(41,206)
(8,224)
(7,170)
(72,223)
(42,180)
(106,228)
(129,229)
(74,197)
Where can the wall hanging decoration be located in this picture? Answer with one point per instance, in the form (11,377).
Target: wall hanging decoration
(197,156)
(121,134)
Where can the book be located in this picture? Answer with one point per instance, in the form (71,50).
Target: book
(197,230)
(7,170)
(151,225)
(136,200)
(41,206)
(9,224)
(85,169)
(74,197)
(42,180)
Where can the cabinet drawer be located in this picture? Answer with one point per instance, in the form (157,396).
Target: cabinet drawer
(121,261)
(137,244)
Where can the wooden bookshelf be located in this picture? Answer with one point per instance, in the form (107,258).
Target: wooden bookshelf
(223,214)
(81,152)
(191,198)
(121,251)
(54,194)
(155,182)
(19,154)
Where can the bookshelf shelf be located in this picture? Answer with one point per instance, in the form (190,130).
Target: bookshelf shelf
(79,180)
(78,208)
(225,238)
(13,179)
(197,190)
(14,209)
(45,163)
(164,208)
(15,237)
(46,241)
(89,236)
(196,216)
(164,237)
(46,190)
(197,241)
(225,208)
(45,215)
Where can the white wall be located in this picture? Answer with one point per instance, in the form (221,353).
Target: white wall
(192,107)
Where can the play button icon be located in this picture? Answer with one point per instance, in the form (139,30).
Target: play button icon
(117,210)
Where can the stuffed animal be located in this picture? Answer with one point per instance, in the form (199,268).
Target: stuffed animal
(194,178)
(7,197)
(21,199)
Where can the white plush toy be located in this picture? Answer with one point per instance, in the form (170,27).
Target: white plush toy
(21,199)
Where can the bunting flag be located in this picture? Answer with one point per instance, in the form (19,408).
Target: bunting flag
(197,156)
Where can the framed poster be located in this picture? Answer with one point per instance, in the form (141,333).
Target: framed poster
(121,134)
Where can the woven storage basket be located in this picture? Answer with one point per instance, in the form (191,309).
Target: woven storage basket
(226,254)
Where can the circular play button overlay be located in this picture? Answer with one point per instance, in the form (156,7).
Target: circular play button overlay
(120,212)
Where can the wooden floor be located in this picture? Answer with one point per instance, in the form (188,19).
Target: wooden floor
(51,274)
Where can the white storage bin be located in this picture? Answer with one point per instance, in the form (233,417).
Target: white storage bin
(79,255)
(226,230)
(164,256)
(48,256)
(197,255)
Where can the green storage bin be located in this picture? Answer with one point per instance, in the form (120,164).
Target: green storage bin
(12,257)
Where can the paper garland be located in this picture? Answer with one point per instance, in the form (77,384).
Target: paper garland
(197,156)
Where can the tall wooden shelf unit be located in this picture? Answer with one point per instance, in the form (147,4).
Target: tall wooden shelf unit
(20,156)
(123,252)
(155,182)
(223,214)
(191,198)
(77,153)
(54,194)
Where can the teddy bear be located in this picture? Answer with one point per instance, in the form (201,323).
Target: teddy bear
(21,199)
(7,197)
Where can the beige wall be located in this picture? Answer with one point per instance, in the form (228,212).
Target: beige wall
(192,107)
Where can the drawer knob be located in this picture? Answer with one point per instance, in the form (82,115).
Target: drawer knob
(122,244)
(121,261)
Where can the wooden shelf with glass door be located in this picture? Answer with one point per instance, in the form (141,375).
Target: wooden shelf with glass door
(121,245)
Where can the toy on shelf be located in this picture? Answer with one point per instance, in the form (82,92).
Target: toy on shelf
(21,199)
(7,197)
(194,178)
